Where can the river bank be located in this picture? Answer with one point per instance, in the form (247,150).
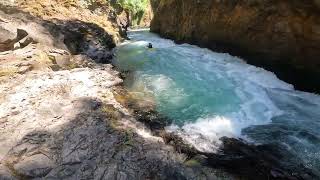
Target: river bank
(203,96)
(235,159)
(60,116)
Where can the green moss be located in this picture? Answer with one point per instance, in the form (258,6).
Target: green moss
(72,66)
(129,138)
(111,112)
(192,163)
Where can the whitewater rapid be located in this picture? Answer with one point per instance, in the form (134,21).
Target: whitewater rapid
(209,95)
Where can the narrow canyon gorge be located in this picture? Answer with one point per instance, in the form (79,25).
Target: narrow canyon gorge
(159,89)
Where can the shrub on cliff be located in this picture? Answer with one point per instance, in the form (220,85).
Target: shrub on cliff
(136,8)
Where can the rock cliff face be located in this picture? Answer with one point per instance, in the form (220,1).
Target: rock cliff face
(112,19)
(280,35)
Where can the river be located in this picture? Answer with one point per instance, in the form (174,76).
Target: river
(209,95)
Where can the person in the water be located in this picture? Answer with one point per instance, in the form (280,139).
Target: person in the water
(149,45)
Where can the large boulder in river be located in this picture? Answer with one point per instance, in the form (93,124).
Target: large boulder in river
(280,35)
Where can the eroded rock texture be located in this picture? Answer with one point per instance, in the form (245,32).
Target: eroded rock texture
(281,36)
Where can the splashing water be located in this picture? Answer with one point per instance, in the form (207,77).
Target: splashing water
(210,95)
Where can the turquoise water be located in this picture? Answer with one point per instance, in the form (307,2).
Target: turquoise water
(209,95)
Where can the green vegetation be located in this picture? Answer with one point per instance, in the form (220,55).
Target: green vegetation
(136,8)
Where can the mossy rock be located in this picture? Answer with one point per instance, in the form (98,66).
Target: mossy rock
(192,163)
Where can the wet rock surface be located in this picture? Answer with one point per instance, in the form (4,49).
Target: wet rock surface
(257,161)
(281,36)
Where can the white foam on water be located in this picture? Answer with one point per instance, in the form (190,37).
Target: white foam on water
(157,42)
(160,86)
(256,109)
(139,30)
(159,83)
(205,133)
(251,85)
(234,67)
(256,75)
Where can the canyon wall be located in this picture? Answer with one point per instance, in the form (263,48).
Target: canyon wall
(279,35)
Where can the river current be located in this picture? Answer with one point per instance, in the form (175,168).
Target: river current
(209,95)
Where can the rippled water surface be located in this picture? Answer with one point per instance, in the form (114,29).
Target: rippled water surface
(210,95)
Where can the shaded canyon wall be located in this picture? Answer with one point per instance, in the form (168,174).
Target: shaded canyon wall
(280,35)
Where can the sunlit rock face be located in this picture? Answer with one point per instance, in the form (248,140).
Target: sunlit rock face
(281,36)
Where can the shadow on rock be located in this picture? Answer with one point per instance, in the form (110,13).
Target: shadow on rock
(267,161)
(76,36)
(83,38)
(90,145)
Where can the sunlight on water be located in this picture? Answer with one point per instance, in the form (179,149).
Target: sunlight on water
(210,95)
